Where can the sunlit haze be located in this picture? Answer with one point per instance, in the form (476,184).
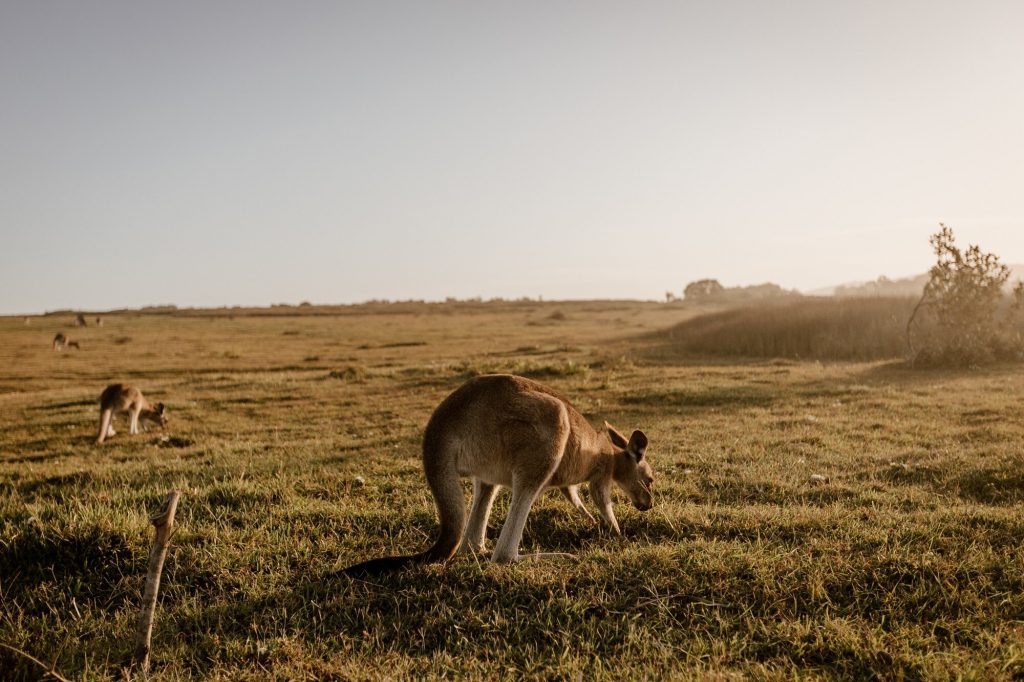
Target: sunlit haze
(208,154)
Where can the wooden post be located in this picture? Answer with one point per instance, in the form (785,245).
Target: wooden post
(164,521)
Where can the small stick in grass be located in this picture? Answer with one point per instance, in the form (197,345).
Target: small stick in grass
(49,670)
(164,521)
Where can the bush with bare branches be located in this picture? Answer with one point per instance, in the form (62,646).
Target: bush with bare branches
(963,317)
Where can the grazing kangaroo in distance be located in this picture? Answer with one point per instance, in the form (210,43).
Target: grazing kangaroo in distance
(60,342)
(124,398)
(80,321)
(505,430)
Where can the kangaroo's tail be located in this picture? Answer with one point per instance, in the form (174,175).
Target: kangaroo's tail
(439,465)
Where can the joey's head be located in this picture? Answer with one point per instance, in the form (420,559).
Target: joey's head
(632,473)
(157,415)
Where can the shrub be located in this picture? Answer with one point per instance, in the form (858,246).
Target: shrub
(963,316)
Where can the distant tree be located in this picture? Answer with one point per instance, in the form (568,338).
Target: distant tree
(702,289)
(759,291)
(1017,314)
(712,290)
(964,300)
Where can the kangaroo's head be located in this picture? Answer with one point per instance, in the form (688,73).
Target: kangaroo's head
(156,415)
(632,472)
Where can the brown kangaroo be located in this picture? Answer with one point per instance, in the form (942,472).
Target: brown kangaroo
(505,430)
(124,398)
(60,342)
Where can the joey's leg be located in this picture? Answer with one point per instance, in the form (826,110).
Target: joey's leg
(572,493)
(603,499)
(476,531)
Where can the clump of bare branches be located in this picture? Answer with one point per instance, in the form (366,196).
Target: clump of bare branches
(963,317)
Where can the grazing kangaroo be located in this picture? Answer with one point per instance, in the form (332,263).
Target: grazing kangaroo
(124,398)
(60,342)
(505,430)
(80,321)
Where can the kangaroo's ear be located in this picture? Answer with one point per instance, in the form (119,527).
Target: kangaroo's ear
(637,445)
(618,440)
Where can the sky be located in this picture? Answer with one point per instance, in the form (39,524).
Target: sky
(249,153)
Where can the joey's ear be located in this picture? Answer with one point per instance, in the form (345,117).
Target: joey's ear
(637,445)
(618,440)
(160,408)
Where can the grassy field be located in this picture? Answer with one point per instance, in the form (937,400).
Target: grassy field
(295,442)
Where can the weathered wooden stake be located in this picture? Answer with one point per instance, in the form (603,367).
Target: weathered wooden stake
(164,521)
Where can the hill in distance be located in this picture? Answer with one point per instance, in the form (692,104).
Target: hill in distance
(905,286)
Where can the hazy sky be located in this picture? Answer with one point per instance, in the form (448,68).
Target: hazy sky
(208,153)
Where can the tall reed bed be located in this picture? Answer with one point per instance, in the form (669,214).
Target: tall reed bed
(817,328)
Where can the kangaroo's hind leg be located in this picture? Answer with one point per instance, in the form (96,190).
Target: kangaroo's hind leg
(541,446)
(133,427)
(105,427)
(476,531)
(506,550)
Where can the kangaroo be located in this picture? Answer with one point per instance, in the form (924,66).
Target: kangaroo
(80,321)
(505,430)
(60,342)
(124,398)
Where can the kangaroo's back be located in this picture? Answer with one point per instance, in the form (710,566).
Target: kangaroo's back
(487,410)
(118,397)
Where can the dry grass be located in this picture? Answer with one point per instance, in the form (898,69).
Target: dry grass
(906,564)
(811,328)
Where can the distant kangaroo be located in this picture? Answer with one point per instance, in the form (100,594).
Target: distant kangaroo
(60,342)
(123,398)
(505,430)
